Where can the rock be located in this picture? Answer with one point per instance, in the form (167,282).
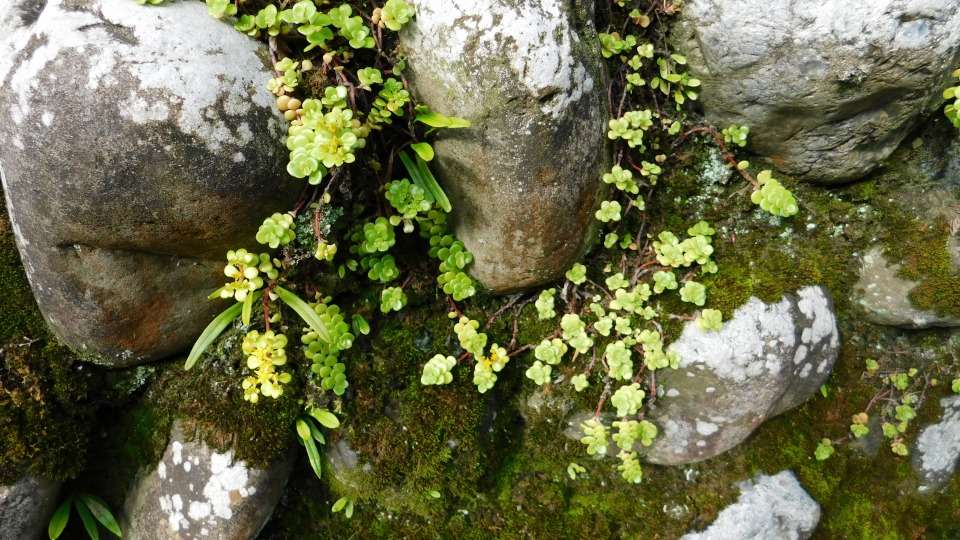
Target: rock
(26,507)
(195,492)
(138,144)
(524,180)
(938,447)
(827,95)
(766,360)
(885,298)
(769,507)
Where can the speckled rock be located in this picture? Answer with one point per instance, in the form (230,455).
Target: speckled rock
(769,507)
(884,297)
(137,145)
(524,180)
(26,507)
(937,451)
(195,492)
(766,360)
(828,91)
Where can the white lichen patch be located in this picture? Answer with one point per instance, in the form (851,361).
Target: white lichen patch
(226,484)
(938,446)
(141,55)
(534,37)
(747,345)
(814,304)
(706,428)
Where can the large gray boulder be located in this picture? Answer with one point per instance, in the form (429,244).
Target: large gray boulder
(766,360)
(137,145)
(195,492)
(26,507)
(524,179)
(828,90)
(938,446)
(769,507)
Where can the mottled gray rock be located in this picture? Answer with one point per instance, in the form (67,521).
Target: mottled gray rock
(195,492)
(827,90)
(885,298)
(524,180)
(767,359)
(137,145)
(938,446)
(770,507)
(26,507)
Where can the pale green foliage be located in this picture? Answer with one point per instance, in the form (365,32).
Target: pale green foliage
(574,469)
(544,304)
(710,319)
(577,274)
(617,281)
(368,77)
(247,271)
(623,179)
(663,280)
(680,85)
(390,101)
(265,352)
(952,110)
(697,248)
(653,355)
(628,399)
(773,197)
(594,436)
(736,135)
(694,293)
(276,230)
(824,450)
(539,372)
(955,386)
(619,360)
(631,431)
(215,8)
(603,326)
(395,14)
(630,467)
(326,355)
(406,198)
(579,382)
(551,351)
(609,211)
(612,44)
(471,341)
(437,370)
(486,369)
(392,299)
(325,251)
(630,127)
(322,138)
(858,427)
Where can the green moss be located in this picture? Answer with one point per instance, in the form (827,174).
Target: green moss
(45,413)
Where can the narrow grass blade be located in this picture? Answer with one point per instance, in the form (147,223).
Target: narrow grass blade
(305,311)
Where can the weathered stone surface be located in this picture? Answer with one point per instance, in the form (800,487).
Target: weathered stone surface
(885,298)
(828,91)
(26,507)
(938,447)
(138,144)
(195,492)
(765,360)
(524,179)
(769,507)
